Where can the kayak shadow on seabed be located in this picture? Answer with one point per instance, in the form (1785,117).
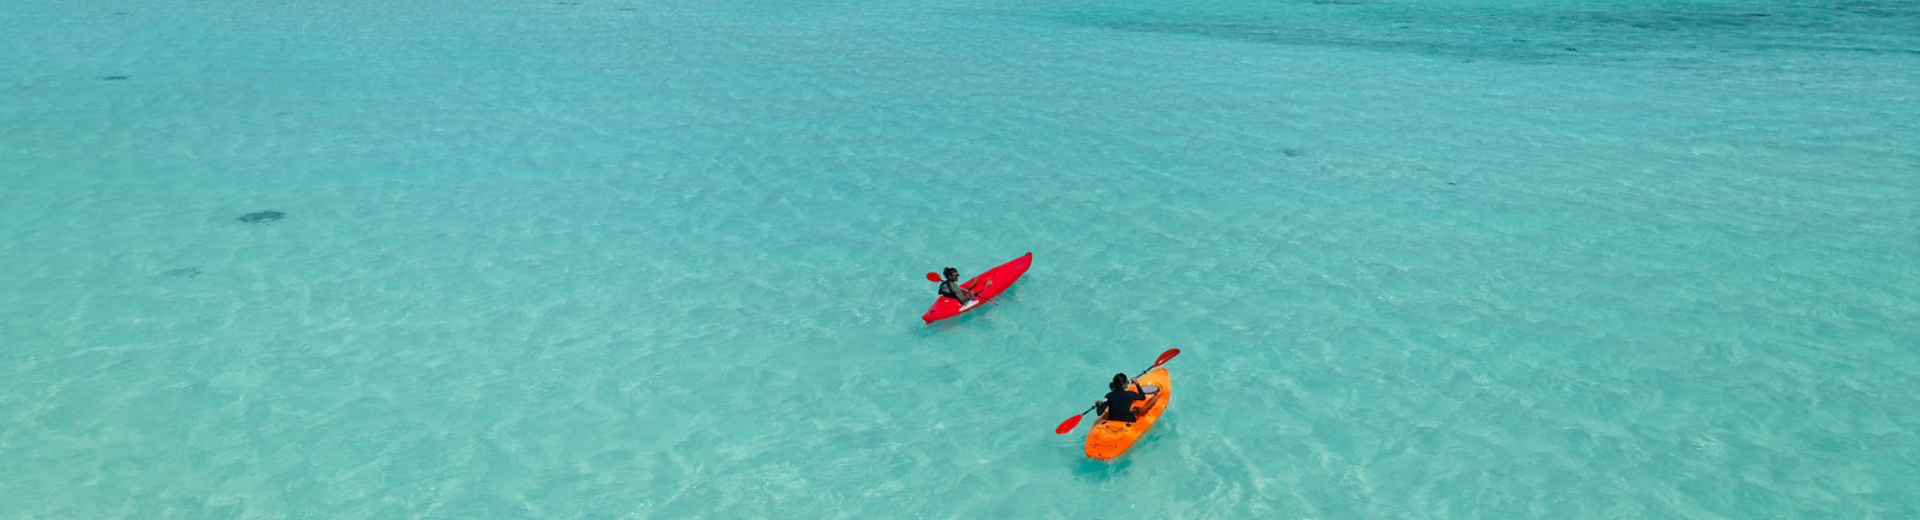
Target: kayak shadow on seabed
(1100,470)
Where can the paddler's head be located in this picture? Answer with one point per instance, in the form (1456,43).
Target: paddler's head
(953,275)
(1119,382)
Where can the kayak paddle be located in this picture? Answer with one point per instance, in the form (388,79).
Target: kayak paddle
(933,277)
(1075,420)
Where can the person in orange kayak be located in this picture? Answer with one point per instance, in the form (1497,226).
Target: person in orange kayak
(1118,404)
(951,287)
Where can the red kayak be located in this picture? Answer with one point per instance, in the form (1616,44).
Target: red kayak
(988,285)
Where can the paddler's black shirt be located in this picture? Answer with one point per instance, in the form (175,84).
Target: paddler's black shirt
(1118,405)
(950,289)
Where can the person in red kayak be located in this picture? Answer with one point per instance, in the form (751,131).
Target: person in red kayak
(1118,405)
(951,288)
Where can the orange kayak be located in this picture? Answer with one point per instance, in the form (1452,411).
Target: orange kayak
(1109,439)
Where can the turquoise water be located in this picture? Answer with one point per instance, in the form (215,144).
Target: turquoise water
(639,259)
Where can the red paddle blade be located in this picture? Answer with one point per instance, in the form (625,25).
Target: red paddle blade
(933,277)
(1166,356)
(1068,426)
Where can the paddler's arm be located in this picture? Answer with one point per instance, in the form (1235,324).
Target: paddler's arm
(971,293)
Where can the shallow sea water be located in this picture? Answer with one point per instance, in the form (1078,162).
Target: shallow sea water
(636,259)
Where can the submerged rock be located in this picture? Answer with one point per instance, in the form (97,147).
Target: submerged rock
(184,272)
(262,217)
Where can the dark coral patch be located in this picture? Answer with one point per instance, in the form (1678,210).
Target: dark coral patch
(262,217)
(184,272)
